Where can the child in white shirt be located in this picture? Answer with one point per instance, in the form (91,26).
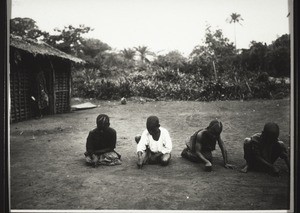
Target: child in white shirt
(154,146)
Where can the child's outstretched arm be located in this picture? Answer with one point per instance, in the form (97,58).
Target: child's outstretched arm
(140,159)
(141,148)
(224,154)
(198,148)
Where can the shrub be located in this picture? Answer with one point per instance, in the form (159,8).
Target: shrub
(164,84)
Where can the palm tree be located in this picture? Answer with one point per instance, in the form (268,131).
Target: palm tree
(235,18)
(128,53)
(143,52)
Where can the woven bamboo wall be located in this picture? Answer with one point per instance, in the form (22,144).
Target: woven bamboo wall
(20,97)
(62,89)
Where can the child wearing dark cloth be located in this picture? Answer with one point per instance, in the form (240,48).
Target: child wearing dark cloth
(203,142)
(100,144)
(154,146)
(263,149)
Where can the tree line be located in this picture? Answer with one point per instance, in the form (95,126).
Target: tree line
(215,61)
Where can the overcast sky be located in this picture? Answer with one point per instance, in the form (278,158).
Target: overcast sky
(162,25)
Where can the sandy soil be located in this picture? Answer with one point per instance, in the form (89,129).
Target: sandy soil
(48,169)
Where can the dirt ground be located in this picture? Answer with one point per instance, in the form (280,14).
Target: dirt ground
(48,169)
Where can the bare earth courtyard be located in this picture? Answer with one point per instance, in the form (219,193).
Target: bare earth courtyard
(48,169)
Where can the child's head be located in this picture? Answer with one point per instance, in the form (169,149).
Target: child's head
(271,132)
(215,127)
(152,124)
(102,122)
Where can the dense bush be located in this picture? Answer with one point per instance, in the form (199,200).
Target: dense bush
(164,84)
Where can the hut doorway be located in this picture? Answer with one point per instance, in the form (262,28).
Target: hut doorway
(39,94)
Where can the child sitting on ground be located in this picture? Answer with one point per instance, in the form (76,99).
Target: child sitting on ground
(203,142)
(154,146)
(100,144)
(263,149)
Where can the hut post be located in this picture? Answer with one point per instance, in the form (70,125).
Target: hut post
(70,83)
(53,101)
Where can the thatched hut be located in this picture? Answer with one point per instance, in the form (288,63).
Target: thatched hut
(36,70)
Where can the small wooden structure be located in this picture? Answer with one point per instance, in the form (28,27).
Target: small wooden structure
(37,68)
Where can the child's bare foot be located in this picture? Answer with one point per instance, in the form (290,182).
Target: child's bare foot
(245,169)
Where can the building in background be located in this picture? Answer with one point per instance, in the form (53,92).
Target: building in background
(40,79)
